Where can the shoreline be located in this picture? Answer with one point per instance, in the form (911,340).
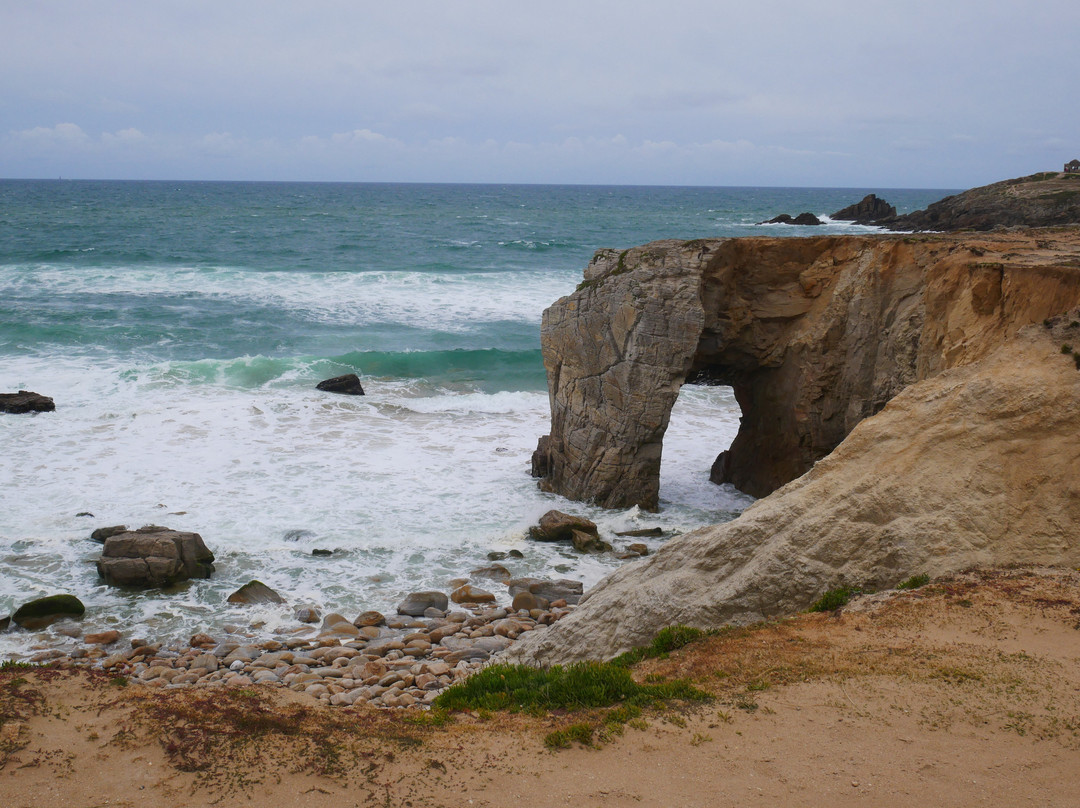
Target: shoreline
(383,661)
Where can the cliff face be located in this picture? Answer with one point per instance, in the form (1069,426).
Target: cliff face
(813,334)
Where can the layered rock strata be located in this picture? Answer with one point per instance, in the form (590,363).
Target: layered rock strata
(977,466)
(813,334)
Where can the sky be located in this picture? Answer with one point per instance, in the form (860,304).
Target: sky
(831,93)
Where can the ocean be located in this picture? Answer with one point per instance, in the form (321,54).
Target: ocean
(181,328)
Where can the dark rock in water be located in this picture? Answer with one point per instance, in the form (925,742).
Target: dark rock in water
(307,614)
(515,554)
(296,535)
(154,556)
(802,219)
(5,622)
(541,463)
(645,532)
(84,513)
(103,533)
(868,210)
(24,401)
(255,592)
(45,611)
(416,603)
(349,385)
(319,552)
(496,555)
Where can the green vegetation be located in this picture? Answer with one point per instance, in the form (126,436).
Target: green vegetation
(914,582)
(580,686)
(834,599)
(1066,348)
(563,738)
(666,640)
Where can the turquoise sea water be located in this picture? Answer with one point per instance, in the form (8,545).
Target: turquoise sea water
(181,328)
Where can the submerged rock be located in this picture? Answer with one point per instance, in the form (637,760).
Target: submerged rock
(45,611)
(24,401)
(349,385)
(154,556)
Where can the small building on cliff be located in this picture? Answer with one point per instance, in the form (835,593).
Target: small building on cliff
(1072,167)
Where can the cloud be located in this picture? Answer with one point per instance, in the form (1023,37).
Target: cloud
(61,134)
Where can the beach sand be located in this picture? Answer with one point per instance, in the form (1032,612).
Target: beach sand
(963,692)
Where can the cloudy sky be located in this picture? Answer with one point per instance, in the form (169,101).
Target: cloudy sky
(916,93)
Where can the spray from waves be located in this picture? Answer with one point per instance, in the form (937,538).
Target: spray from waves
(487,370)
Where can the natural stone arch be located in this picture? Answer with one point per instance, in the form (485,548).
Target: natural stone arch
(813,334)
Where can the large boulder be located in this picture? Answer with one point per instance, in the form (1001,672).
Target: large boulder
(154,556)
(24,401)
(46,611)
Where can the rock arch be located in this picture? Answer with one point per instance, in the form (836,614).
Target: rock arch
(814,335)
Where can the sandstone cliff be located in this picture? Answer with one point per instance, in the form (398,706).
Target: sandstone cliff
(978,465)
(814,335)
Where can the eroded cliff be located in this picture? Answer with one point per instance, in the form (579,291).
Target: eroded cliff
(814,335)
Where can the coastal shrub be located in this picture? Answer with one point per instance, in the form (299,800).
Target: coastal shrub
(579,686)
(562,738)
(1066,348)
(914,582)
(834,599)
(666,640)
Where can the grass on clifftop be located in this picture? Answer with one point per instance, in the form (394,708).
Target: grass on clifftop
(580,686)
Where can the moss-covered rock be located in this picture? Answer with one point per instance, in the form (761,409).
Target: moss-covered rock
(45,611)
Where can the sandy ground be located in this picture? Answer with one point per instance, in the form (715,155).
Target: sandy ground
(964,692)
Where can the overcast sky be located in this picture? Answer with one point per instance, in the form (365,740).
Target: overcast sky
(914,93)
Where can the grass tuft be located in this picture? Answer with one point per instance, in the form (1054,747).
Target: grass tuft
(834,599)
(666,640)
(563,738)
(914,582)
